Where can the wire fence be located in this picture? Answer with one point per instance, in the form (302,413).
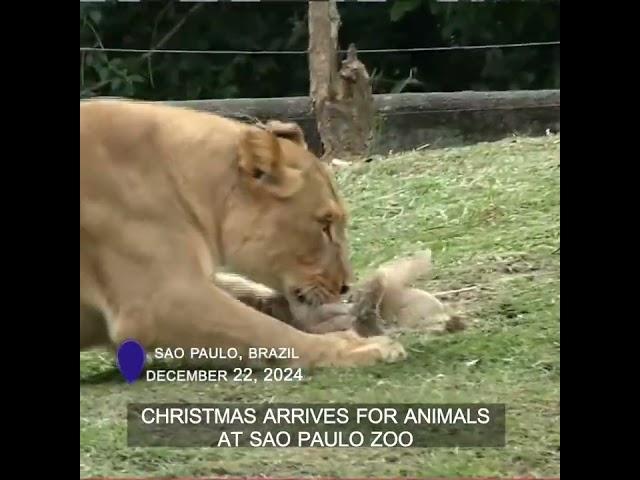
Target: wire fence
(306,52)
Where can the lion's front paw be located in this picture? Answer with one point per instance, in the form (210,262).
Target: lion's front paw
(391,351)
(353,350)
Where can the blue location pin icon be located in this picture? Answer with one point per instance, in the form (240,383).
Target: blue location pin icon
(131,358)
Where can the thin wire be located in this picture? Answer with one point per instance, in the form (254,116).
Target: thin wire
(305,52)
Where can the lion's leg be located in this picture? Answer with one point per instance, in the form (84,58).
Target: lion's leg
(242,288)
(257,296)
(198,314)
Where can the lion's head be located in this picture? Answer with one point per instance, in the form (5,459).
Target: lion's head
(287,223)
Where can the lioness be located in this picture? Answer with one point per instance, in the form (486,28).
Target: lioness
(168,195)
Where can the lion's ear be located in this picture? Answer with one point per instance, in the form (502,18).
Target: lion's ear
(260,161)
(290,131)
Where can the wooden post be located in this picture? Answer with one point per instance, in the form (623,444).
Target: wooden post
(342,99)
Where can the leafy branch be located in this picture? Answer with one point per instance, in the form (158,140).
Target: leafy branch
(148,54)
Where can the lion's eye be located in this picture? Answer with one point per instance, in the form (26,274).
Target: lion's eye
(326,229)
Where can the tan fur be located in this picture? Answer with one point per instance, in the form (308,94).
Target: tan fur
(169,195)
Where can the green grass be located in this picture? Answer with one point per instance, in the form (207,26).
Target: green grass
(490,214)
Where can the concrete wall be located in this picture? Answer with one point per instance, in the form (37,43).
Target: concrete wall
(408,120)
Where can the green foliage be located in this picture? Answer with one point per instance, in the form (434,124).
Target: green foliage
(283,26)
(402,7)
